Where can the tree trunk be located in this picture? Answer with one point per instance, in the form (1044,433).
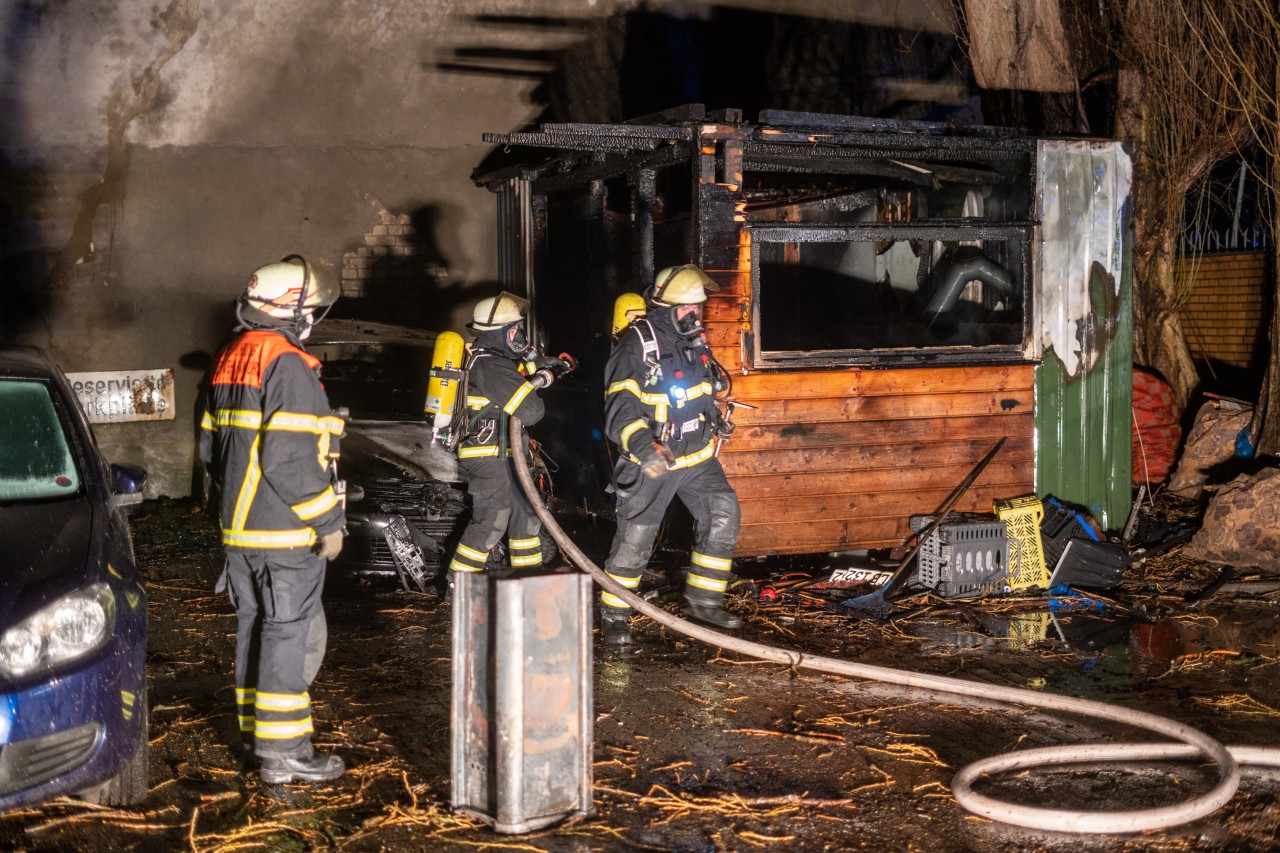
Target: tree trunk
(1159,337)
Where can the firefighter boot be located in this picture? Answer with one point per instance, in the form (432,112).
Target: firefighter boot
(710,610)
(283,769)
(615,626)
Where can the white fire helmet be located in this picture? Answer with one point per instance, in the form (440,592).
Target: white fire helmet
(682,285)
(289,287)
(498,311)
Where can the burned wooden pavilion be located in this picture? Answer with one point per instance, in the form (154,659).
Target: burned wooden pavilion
(894,298)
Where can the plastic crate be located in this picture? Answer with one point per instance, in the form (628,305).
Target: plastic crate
(963,558)
(1059,526)
(1026,555)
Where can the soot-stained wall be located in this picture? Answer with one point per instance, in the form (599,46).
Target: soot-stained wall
(154,155)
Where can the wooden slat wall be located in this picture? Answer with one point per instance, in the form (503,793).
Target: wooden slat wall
(840,459)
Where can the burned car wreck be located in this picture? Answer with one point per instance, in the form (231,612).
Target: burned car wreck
(406,501)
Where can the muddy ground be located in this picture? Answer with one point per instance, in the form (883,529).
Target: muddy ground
(697,750)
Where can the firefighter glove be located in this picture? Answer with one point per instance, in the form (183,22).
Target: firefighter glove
(330,545)
(655,459)
(551,369)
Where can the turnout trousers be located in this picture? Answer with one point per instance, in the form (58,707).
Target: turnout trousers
(280,641)
(498,507)
(642,503)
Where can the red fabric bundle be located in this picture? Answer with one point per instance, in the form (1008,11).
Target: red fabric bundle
(1157,429)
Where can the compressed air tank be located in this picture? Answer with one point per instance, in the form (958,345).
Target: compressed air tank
(444,380)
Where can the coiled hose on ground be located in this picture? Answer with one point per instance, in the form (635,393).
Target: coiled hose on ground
(1192,743)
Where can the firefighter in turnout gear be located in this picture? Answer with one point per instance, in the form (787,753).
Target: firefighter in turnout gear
(504,373)
(660,410)
(270,440)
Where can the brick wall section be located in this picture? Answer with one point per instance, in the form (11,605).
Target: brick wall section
(1226,315)
(388,277)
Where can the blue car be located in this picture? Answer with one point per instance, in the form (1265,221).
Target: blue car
(73,610)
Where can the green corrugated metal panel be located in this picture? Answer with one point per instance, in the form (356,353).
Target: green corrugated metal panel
(1084,317)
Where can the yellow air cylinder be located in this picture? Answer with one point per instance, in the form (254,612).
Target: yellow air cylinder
(626,308)
(444,379)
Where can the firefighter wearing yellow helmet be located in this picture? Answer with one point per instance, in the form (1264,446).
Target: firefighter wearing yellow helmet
(660,411)
(626,308)
(504,374)
(269,438)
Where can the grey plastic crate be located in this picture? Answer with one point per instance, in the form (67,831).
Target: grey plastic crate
(963,558)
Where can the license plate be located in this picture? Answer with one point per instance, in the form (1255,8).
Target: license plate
(872,576)
(407,554)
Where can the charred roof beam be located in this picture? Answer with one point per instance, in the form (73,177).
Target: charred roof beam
(610,167)
(951,148)
(575,141)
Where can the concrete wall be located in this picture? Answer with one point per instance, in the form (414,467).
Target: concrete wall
(156,155)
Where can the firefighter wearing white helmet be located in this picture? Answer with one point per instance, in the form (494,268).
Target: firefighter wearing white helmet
(660,411)
(288,293)
(270,438)
(504,374)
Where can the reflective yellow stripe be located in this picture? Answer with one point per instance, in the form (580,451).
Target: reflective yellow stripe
(272,730)
(694,458)
(476,452)
(707,583)
(283,701)
(630,430)
(248,488)
(295,422)
(245,694)
(517,398)
(472,553)
(531,542)
(243,418)
(128,697)
(332,425)
(246,723)
(477,402)
(612,600)
(207,422)
(711,562)
(318,505)
(459,566)
(302,538)
(634,387)
(531,560)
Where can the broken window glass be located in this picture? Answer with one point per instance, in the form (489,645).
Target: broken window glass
(889,293)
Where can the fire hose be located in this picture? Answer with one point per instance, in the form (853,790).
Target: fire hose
(1192,743)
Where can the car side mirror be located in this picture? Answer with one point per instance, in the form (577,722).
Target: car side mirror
(126,484)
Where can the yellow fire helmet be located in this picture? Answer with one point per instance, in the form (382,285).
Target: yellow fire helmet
(626,308)
(682,285)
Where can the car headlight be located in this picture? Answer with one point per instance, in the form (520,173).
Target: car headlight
(72,627)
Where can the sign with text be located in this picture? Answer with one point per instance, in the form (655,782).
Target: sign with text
(121,396)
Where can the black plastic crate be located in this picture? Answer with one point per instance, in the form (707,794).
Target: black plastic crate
(1059,526)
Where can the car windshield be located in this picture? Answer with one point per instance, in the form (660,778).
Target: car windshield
(375,381)
(36,461)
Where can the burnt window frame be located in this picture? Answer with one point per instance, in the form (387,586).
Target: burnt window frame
(924,230)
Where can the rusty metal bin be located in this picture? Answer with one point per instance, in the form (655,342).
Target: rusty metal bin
(522,703)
